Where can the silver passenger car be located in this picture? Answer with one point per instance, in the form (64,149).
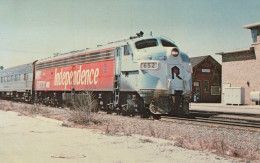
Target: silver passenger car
(17,82)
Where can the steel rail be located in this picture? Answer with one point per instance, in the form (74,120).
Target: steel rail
(215,121)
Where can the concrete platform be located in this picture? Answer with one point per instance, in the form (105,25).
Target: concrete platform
(218,107)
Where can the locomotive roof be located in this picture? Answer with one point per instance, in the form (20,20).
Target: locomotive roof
(109,45)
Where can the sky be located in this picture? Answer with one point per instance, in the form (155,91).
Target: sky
(35,29)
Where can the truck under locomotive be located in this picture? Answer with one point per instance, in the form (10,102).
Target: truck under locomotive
(140,74)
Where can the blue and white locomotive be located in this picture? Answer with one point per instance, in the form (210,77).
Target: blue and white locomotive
(153,75)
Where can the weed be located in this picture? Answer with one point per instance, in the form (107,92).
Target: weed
(152,131)
(35,108)
(108,131)
(11,104)
(83,108)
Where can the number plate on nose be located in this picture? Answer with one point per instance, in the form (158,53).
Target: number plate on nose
(152,65)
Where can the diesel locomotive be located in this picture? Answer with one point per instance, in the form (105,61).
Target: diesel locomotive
(144,74)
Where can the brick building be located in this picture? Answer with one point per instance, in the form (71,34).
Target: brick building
(241,68)
(206,79)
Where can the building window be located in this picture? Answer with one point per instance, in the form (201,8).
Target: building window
(196,84)
(215,79)
(2,79)
(215,90)
(206,86)
(254,35)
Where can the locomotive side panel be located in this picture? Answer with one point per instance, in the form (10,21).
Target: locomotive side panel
(97,76)
(64,78)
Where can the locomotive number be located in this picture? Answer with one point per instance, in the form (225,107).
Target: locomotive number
(149,65)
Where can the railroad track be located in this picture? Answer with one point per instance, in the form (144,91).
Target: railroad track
(219,121)
(209,117)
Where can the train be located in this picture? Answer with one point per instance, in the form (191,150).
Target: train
(142,74)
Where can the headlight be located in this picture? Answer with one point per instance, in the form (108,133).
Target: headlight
(149,65)
(175,52)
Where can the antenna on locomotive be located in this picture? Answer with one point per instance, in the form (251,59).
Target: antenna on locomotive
(140,34)
(56,54)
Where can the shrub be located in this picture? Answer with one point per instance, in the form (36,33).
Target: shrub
(83,108)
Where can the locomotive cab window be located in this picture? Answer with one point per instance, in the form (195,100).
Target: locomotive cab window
(127,50)
(146,43)
(167,44)
(118,51)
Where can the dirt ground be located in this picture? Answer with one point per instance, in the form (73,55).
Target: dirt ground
(27,139)
(111,138)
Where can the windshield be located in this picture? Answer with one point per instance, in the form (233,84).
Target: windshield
(167,44)
(146,43)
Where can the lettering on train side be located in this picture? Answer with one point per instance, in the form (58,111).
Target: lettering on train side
(77,77)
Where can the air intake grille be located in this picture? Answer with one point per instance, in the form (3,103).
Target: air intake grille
(77,59)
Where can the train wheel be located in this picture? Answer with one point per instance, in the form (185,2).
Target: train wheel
(145,113)
(118,111)
(155,116)
(185,107)
(109,109)
(124,111)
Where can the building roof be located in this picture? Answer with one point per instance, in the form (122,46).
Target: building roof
(249,26)
(196,60)
(236,51)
